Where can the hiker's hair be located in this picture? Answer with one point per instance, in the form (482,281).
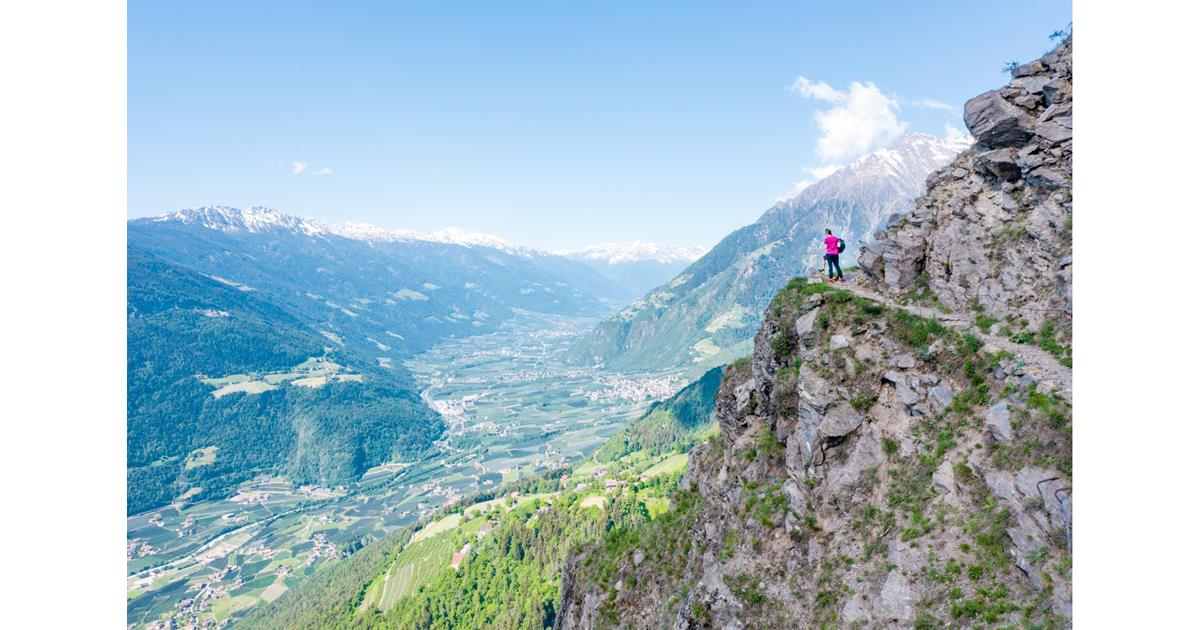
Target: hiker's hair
(828,231)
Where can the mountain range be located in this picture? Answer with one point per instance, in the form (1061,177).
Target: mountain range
(707,314)
(637,266)
(261,342)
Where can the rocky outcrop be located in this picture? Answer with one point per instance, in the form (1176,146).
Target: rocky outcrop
(993,231)
(875,468)
(906,477)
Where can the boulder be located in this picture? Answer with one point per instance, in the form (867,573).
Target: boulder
(840,420)
(1056,91)
(905,361)
(1032,84)
(838,342)
(997,123)
(896,600)
(805,326)
(999,423)
(999,163)
(1054,131)
(1033,67)
(939,397)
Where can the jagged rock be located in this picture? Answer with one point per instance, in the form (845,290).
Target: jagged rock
(837,342)
(839,420)
(943,478)
(1033,67)
(896,599)
(940,397)
(1032,84)
(995,122)
(999,422)
(638,557)
(1053,131)
(905,361)
(892,377)
(1056,91)
(999,163)
(805,326)
(905,394)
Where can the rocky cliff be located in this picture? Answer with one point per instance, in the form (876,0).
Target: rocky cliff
(993,232)
(875,467)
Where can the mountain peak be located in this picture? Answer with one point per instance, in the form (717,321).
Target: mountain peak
(257,219)
(636,251)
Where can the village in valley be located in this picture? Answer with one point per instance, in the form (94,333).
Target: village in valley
(512,408)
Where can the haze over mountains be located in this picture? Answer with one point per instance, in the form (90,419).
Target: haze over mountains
(707,314)
(637,266)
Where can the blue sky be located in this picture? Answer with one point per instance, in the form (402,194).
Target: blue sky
(556,125)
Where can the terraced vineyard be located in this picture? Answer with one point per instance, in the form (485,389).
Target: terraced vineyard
(513,408)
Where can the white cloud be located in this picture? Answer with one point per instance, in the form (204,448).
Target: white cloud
(930,103)
(861,119)
(819,90)
(324,170)
(954,133)
(298,167)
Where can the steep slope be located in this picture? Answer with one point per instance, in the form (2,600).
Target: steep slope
(994,231)
(706,315)
(875,467)
(637,266)
(284,399)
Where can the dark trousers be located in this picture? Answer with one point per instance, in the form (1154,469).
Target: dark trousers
(831,261)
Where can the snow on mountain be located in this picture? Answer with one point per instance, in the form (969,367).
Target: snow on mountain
(260,219)
(451,235)
(636,251)
(255,220)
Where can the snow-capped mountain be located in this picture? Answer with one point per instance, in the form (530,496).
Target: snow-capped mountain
(260,219)
(255,220)
(637,266)
(707,313)
(636,251)
(451,235)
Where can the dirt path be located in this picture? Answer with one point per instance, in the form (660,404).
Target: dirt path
(1039,364)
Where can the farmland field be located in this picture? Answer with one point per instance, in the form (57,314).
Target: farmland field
(512,408)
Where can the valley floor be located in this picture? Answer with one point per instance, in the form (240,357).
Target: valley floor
(512,408)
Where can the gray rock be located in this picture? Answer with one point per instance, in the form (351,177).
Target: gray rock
(892,377)
(840,419)
(1056,91)
(1046,177)
(940,397)
(943,478)
(638,557)
(805,326)
(1032,84)
(997,123)
(896,600)
(1053,131)
(905,394)
(999,163)
(838,342)
(999,423)
(1065,261)
(905,361)
(1033,67)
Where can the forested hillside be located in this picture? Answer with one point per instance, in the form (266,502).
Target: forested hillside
(192,432)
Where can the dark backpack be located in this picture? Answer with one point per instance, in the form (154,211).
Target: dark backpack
(841,246)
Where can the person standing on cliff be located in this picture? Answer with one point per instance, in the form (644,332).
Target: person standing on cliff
(833,247)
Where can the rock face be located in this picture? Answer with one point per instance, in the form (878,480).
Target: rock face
(876,469)
(836,495)
(992,228)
